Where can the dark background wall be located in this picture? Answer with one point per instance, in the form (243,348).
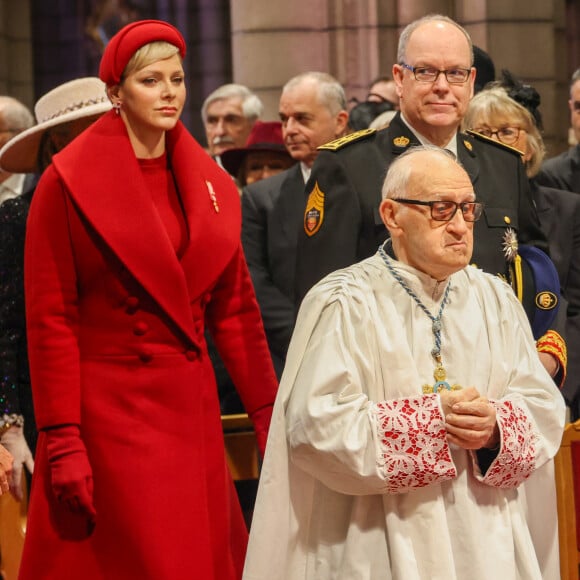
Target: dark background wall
(68,36)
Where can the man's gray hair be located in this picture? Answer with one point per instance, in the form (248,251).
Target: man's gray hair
(575,78)
(400,170)
(17,116)
(331,93)
(252,106)
(410,28)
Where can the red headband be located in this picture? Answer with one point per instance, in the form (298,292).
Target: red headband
(129,40)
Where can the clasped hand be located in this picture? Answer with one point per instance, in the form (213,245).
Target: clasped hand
(470,419)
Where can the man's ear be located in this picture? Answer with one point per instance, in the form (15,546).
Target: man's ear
(398,78)
(388,212)
(341,123)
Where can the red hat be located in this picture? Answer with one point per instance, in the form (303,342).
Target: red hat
(129,40)
(264,136)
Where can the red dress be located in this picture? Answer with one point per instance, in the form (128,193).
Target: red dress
(116,321)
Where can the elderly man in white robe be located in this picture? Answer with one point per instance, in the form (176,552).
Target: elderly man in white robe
(413,411)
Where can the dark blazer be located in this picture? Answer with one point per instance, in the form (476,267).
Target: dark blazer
(562,171)
(349,179)
(271,217)
(559,213)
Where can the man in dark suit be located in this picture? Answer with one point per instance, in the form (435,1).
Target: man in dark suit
(313,112)
(563,171)
(435,79)
(559,213)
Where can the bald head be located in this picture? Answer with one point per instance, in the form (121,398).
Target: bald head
(435,238)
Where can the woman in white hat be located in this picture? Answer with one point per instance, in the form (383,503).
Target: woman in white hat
(61,114)
(133,248)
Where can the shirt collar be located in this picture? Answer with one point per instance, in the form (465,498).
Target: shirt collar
(451,146)
(305,171)
(12,187)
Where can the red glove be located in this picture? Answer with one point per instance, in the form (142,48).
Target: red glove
(261,420)
(70,471)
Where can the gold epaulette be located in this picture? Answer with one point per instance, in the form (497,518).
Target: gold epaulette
(350,138)
(554,344)
(494,142)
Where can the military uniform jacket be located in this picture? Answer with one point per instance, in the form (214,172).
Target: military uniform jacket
(342,224)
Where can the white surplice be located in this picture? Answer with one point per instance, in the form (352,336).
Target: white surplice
(359,482)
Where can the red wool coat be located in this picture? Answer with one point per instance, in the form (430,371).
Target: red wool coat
(116,342)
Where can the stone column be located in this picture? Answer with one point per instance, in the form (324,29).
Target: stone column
(272,42)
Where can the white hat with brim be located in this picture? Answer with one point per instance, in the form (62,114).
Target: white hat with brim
(76,99)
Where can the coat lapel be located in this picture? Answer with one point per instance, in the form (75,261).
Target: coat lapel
(290,205)
(111,194)
(467,157)
(213,211)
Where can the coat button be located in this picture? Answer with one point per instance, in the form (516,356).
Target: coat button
(191,355)
(145,357)
(131,304)
(140,328)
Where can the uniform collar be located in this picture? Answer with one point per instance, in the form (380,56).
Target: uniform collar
(451,146)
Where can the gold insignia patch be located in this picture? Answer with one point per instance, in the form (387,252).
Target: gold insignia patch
(546,300)
(401,141)
(342,141)
(468,145)
(314,214)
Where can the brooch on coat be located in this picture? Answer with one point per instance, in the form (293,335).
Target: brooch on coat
(212,196)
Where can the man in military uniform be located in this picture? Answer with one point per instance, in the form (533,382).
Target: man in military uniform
(435,79)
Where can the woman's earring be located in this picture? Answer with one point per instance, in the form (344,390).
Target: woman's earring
(117,107)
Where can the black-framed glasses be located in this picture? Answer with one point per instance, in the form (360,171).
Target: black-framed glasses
(443,211)
(429,74)
(507,135)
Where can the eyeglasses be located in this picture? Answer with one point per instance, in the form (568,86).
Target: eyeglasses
(429,74)
(229,119)
(443,211)
(507,135)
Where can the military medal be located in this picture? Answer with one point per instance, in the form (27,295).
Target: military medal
(439,374)
(510,244)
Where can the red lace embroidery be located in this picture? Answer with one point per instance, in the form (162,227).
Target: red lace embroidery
(516,459)
(415,450)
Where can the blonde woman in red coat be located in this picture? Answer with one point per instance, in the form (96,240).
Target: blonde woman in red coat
(133,247)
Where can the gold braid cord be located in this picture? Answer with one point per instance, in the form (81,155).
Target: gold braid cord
(554,344)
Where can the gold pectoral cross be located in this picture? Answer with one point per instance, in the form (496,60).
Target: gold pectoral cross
(440,376)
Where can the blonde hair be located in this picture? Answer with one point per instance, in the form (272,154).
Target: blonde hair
(148,53)
(493,103)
